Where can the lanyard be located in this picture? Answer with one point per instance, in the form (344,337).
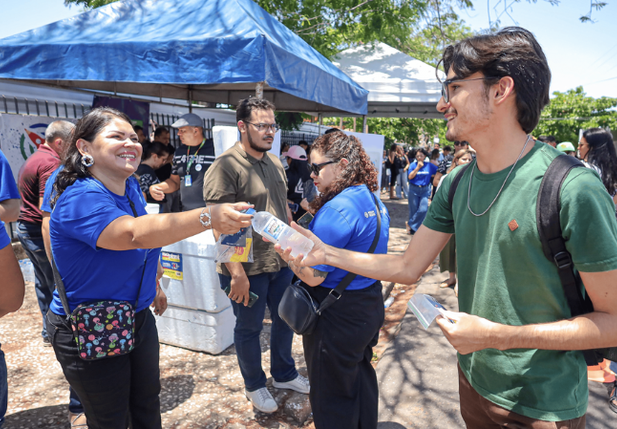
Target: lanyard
(190,160)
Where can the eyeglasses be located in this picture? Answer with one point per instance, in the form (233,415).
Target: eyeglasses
(458,143)
(445,92)
(316,168)
(262,127)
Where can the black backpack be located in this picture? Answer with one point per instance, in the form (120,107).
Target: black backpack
(553,243)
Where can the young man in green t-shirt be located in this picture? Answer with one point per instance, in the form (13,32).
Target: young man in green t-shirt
(514,332)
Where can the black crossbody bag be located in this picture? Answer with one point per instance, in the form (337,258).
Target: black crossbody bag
(298,309)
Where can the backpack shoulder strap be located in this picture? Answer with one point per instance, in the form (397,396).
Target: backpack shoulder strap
(553,243)
(455,183)
(549,228)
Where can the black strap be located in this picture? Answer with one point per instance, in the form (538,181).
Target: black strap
(549,229)
(60,283)
(455,183)
(553,243)
(335,294)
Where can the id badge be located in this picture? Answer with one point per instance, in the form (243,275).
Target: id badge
(188,181)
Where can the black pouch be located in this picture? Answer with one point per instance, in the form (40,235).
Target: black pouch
(298,309)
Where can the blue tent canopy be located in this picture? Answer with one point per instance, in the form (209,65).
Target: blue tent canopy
(202,50)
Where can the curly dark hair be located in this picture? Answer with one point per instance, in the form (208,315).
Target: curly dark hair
(360,169)
(87,128)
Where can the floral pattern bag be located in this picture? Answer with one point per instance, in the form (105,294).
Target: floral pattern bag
(103,329)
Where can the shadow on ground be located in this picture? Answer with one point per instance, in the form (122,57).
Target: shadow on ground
(56,416)
(175,390)
(389,425)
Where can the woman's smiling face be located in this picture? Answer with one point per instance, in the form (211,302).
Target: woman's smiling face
(115,149)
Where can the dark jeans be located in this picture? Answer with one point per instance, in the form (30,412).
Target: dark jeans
(249,323)
(32,241)
(344,392)
(115,390)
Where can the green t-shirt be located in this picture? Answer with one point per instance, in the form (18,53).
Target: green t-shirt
(505,277)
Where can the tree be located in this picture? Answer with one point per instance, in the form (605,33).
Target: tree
(88,4)
(505,7)
(409,131)
(571,111)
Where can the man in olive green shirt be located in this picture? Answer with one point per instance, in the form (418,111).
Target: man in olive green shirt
(248,172)
(515,327)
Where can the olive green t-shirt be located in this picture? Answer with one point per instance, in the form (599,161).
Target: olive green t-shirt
(236,176)
(505,277)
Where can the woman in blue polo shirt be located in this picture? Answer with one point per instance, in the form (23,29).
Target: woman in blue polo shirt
(106,248)
(338,352)
(419,176)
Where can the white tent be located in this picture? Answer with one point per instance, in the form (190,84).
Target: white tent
(398,85)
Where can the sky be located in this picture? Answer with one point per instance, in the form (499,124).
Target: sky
(579,54)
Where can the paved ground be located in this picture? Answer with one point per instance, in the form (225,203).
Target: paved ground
(416,370)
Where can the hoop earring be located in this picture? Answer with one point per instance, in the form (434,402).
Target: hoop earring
(87,160)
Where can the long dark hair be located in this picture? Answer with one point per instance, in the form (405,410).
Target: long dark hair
(87,128)
(360,169)
(602,153)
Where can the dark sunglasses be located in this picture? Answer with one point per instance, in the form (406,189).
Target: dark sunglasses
(316,168)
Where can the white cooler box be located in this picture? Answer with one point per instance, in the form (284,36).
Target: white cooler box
(199,314)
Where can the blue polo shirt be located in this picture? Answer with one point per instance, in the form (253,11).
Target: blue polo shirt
(49,190)
(90,273)
(423,176)
(8,187)
(348,221)
(8,191)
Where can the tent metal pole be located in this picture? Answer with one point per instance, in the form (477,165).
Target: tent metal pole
(190,99)
(259,90)
(320,116)
(364,125)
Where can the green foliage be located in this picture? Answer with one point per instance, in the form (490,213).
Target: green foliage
(88,4)
(571,111)
(402,130)
(330,26)
(440,27)
(290,121)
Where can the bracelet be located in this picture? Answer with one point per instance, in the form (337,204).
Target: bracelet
(206,218)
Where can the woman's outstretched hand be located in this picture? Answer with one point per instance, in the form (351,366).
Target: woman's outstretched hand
(227,218)
(317,255)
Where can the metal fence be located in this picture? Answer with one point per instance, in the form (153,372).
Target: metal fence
(24,106)
(294,137)
(54,109)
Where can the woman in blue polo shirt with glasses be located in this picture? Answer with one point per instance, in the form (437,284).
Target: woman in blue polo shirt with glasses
(338,353)
(419,176)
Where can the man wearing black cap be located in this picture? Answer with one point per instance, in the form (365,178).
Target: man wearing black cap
(191,161)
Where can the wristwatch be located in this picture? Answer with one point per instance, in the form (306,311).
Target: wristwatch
(205,218)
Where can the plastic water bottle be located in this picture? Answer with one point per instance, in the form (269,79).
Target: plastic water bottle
(277,231)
